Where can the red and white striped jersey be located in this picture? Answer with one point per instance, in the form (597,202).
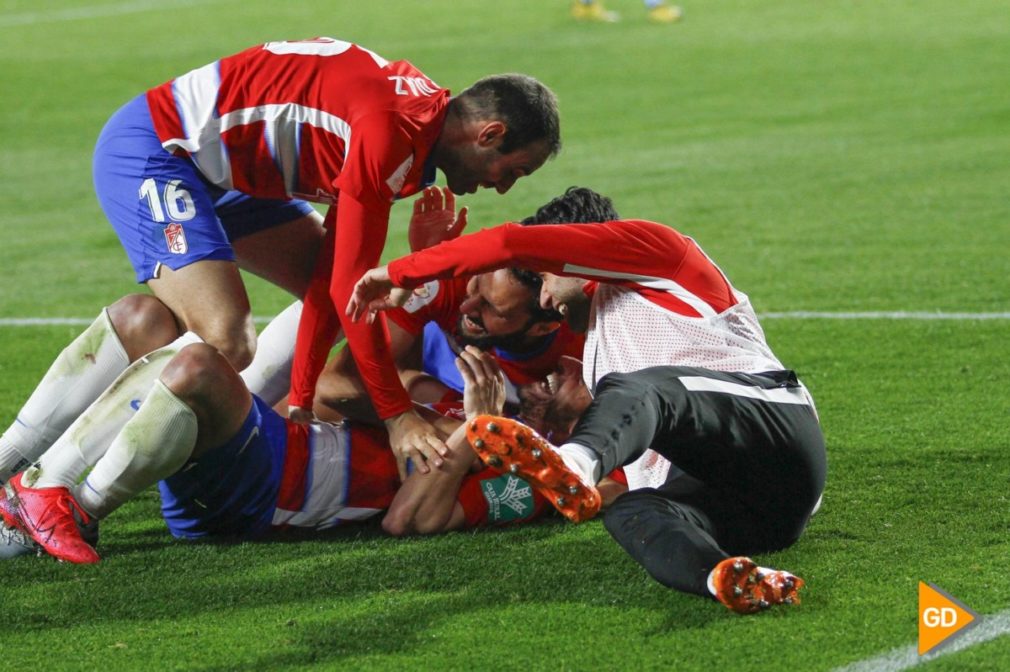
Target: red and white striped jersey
(317,119)
(657,299)
(336,474)
(304,119)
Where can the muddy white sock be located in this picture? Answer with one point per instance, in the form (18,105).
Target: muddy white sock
(87,439)
(78,375)
(153,445)
(269,374)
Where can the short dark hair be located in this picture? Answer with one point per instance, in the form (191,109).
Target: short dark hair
(528,109)
(578,205)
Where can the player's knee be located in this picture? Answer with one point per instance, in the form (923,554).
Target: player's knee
(196,367)
(143,323)
(236,343)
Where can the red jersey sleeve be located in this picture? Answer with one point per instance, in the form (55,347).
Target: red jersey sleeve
(379,157)
(491,498)
(317,328)
(435,301)
(358,239)
(653,258)
(594,251)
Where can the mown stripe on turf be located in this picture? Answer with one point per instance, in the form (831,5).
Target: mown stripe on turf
(906,657)
(93,12)
(796,315)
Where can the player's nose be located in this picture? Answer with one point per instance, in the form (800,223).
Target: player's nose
(546,300)
(468,305)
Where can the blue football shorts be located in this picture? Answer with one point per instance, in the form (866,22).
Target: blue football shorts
(231,491)
(163,210)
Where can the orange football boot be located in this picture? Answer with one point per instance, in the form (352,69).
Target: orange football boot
(744,588)
(513,447)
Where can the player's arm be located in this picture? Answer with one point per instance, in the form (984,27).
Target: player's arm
(318,329)
(594,251)
(428,502)
(341,390)
(609,251)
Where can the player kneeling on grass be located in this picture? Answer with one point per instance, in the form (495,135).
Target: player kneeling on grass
(232,466)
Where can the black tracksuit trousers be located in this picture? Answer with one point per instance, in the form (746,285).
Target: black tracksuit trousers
(752,454)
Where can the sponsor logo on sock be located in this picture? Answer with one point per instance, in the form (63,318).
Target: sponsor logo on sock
(508,498)
(941,617)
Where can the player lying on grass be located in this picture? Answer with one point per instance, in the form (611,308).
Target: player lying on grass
(720,406)
(495,308)
(232,466)
(498,311)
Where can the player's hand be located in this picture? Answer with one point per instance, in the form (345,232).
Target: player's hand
(374,292)
(483,383)
(301,416)
(435,219)
(411,437)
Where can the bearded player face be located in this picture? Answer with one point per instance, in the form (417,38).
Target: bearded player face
(496,312)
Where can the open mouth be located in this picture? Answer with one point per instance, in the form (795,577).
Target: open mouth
(472,326)
(549,385)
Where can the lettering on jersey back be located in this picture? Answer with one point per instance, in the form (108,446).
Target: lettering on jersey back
(413,86)
(320,46)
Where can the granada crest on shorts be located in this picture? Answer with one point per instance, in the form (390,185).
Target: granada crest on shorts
(175,236)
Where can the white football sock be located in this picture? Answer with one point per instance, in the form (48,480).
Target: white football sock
(87,439)
(582,461)
(269,374)
(153,445)
(78,375)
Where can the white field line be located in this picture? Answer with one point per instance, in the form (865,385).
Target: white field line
(905,657)
(93,12)
(883,315)
(797,315)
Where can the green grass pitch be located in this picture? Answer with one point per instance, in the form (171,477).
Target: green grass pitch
(838,155)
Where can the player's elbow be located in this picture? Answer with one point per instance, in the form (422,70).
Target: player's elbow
(397,523)
(403,522)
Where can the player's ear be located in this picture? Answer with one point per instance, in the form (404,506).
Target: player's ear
(543,328)
(491,134)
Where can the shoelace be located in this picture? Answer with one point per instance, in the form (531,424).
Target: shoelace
(42,525)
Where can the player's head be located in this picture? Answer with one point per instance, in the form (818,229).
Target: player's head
(502,310)
(500,129)
(553,405)
(578,205)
